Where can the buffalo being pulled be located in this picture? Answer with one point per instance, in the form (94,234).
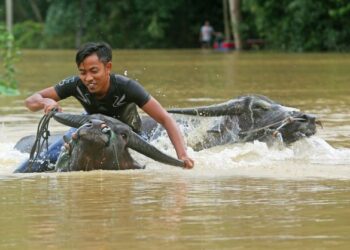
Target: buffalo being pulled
(101,142)
(249,118)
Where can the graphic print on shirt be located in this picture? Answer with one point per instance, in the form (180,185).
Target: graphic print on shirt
(67,80)
(119,101)
(82,97)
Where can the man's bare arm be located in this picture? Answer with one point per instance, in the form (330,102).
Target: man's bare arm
(158,113)
(46,99)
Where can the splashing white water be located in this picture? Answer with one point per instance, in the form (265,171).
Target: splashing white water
(308,158)
(9,158)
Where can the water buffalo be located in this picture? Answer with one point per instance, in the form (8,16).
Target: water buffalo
(100,142)
(246,118)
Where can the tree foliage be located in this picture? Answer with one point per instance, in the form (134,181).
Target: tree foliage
(293,25)
(128,23)
(9,53)
(301,25)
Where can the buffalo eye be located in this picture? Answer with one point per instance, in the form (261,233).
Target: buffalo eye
(124,136)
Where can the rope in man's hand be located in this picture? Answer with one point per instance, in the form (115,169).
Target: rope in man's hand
(41,140)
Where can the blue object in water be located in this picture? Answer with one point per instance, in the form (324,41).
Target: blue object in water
(42,163)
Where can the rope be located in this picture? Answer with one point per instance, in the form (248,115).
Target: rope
(283,123)
(41,140)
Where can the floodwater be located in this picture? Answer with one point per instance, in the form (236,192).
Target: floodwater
(243,196)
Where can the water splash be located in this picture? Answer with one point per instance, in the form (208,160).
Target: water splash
(10,158)
(308,158)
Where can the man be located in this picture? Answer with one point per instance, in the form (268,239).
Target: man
(100,91)
(205,36)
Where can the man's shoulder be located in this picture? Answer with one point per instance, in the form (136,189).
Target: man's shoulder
(69,81)
(120,79)
(68,86)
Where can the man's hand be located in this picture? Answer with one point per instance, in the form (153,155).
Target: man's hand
(188,162)
(50,104)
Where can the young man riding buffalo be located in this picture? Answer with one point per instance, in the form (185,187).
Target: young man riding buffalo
(100,91)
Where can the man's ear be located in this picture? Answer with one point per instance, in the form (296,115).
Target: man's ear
(109,66)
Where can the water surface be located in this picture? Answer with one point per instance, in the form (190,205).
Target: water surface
(243,196)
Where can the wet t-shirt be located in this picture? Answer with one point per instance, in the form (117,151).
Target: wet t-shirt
(118,103)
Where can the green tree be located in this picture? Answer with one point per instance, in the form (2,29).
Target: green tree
(29,34)
(129,23)
(291,25)
(8,55)
(301,25)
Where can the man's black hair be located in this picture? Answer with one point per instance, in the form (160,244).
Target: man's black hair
(102,50)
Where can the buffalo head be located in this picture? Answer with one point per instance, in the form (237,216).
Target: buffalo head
(102,142)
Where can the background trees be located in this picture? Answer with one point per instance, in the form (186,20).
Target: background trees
(293,25)
(301,25)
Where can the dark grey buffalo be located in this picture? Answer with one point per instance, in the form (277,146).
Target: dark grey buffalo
(246,118)
(100,142)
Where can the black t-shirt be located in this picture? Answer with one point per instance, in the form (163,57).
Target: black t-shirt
(119,102)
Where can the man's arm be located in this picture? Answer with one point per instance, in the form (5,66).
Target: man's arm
(158,113)
(46,99)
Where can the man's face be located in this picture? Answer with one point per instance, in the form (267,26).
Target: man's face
(95,74)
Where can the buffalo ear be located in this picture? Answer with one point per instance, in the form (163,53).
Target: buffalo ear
(261,104)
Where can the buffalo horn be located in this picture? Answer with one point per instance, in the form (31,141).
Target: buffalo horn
(140,145)
(226,108)
(70,120)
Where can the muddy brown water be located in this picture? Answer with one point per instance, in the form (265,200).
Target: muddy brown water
(243,196)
